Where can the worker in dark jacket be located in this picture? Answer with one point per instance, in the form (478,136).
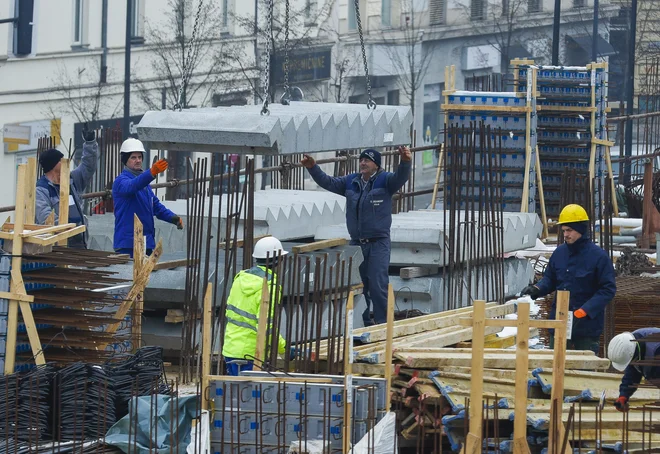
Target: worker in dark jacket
(586,271)
(132,195)
(369,218)
(47,194)
(628,347)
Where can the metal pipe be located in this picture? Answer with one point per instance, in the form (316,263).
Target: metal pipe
(127,71)
(104,42)
(630,86)
(555,33)
(594,34)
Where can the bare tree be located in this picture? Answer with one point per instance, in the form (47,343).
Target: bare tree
(79,93)
(409,57)
(173,50)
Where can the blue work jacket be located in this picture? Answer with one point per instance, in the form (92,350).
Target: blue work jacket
(647,351)
(133,195)
(368,210)
(585,270)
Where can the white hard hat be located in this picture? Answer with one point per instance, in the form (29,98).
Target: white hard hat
(269,247)
(132,145)
(621,350)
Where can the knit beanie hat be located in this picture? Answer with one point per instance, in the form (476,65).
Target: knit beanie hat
(49,159)
(125,156)
(371,155)
(580,227)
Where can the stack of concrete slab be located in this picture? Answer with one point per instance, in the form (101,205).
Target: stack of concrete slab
(285,214)
(420,238)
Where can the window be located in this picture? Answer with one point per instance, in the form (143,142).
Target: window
(534,6)
(505,8)
(352,17)
(310,10)
(78,21)
(478,9)
(137,16)
(437,12)
(386,12)
(393,98)
(579,3)
(225,14)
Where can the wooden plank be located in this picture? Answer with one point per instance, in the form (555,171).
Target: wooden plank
(55,238)
(47,230)
(503,323)
(556,432)
(608,162)
(388,345)
(522,368)
(8,226)
(17,297)
(438,172)
(31,191)
(570,109)
(138,286)
(262,325)
(605,143)
(539,188)
(417,271)
(240,243)
(317,245)
(477,386)
(138,262)
(18,286)
(482,108)
(524,202)
(16,262)
(65,175)
(206,345)
(169,264)
(269,379)
(495,360)
(348,374)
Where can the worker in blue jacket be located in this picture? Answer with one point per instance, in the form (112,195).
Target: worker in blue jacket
(586,271)
(47,194)
(132,195)
(368,219)
(625,348)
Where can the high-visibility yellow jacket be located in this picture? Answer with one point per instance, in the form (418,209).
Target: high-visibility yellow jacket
(242,312)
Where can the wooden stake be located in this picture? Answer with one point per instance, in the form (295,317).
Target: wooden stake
(138,261)
(520,445)
(473,439)
(206,345)
(556,432)
(524,203)
(348,374)
(262,324)
(65,176)
(31,189)
(438,171)
(608,162)
(539,188)
(388,346)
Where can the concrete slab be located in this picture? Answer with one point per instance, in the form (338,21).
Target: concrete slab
(419,238)
(302,127)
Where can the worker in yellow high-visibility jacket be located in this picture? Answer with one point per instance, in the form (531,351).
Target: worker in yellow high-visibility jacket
(242,314)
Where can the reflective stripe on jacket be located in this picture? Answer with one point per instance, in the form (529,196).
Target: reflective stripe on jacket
(242,313)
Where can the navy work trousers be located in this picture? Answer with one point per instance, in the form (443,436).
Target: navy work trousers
(373,271)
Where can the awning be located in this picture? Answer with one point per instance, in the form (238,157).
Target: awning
(603,48)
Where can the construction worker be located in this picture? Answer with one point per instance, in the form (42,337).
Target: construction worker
(368,219)
(132,195)
(242,314)
(586,271)
(626,348)
(47,194)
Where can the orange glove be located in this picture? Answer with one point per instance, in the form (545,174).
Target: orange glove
(621,404)
(580,313)
(176,220)
(159,166)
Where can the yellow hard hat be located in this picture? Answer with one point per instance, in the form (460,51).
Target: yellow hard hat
(573,213)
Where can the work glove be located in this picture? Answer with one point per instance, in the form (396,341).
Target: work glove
(176,220)
(307,161)
(159,166)
(531,290)
(293,353)
(405,154)
(88,135)
(580,313)
(621,404)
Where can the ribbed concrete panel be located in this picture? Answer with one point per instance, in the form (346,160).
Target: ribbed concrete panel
(427,293)
(302,127)
(285,214)
(419,238)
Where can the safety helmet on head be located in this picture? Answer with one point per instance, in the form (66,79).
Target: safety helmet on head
(572,213)
(621,350)
(269,247)
(132,145)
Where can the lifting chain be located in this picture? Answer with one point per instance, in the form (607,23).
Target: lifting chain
(266,80)
(286,96)
(371,104)
(186,71)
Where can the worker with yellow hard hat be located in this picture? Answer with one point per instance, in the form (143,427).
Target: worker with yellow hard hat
(586,271)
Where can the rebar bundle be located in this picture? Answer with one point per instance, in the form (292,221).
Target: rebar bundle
(473,214)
